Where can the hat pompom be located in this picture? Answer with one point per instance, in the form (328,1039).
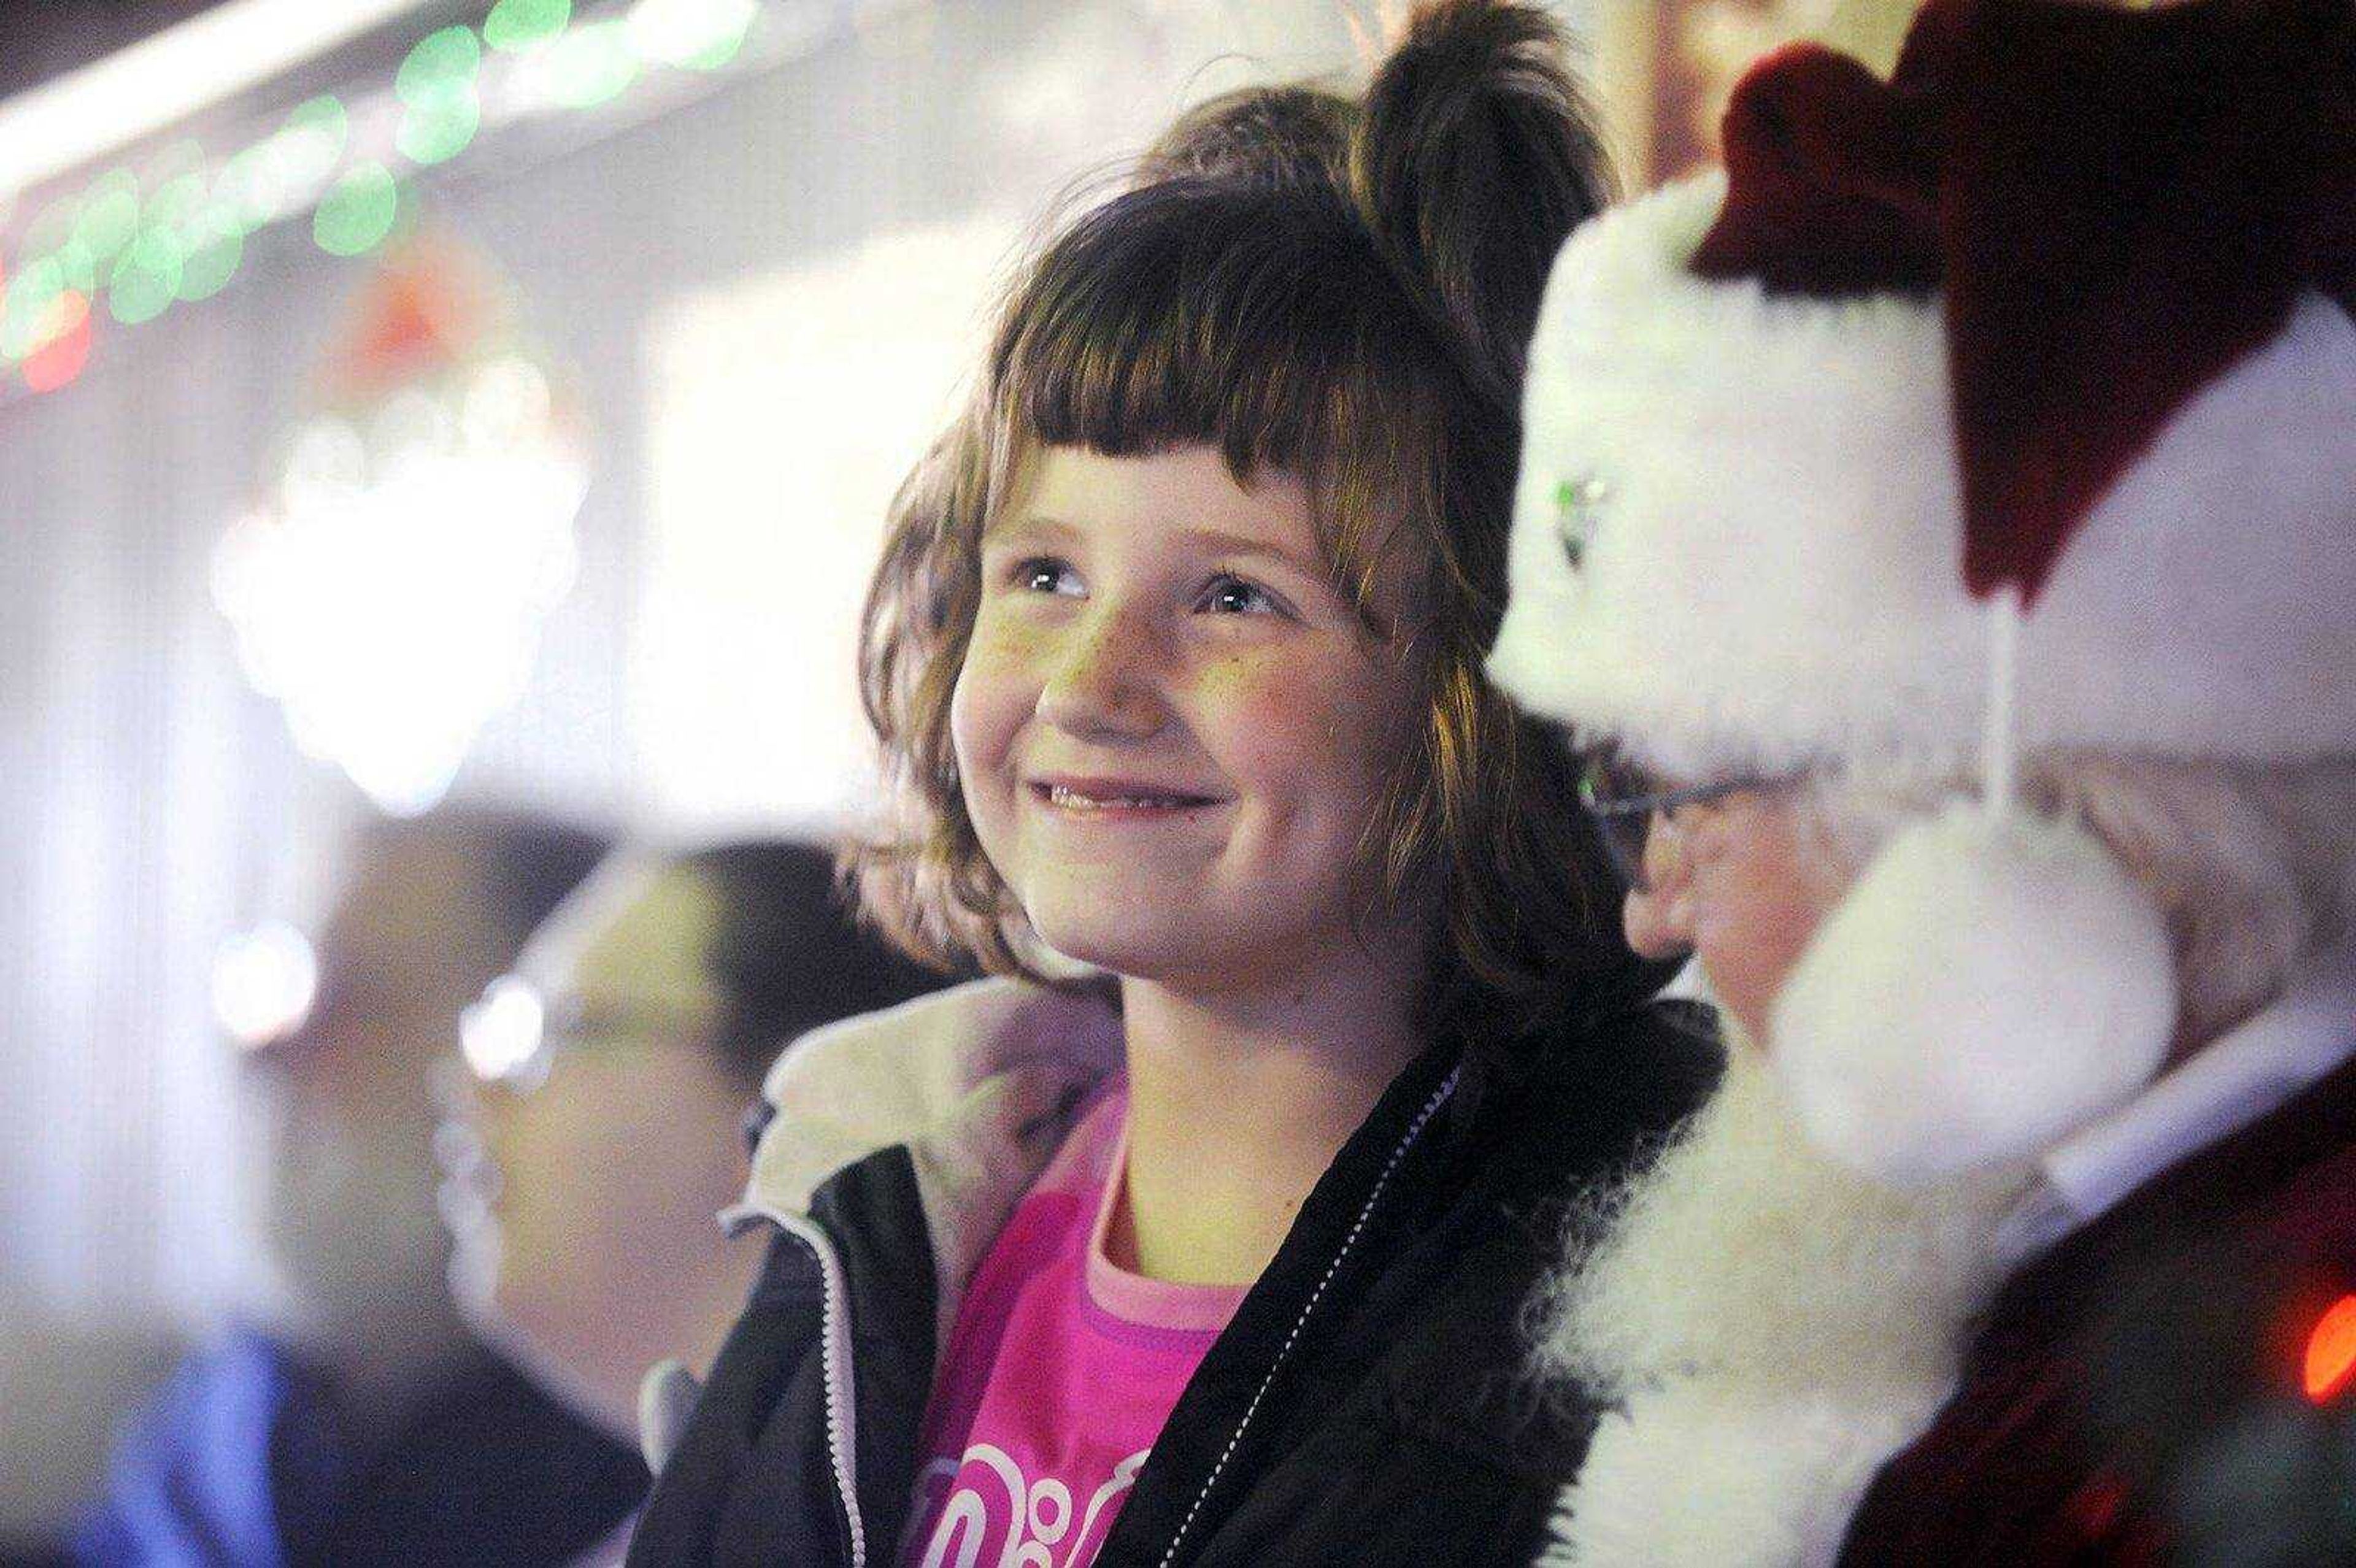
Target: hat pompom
(1990,985)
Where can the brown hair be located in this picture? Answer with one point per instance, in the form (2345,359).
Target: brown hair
(1341,290)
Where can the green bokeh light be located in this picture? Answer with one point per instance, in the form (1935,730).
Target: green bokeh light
(521,23)
(592,64)
(357,210)
(215,242)
(702,35)
(431,133)
(300,156)
(440,61)
(30,294)
(110,214)
(322,117)
(76,266)
(147,279)
(246,184)
(729,27)
(177,200)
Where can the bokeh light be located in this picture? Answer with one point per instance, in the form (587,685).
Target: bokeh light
(278,175)
(109,216)
(500,1034)
(177,200)
(214,247)
(516,25)
(440,109)
(249,186)
(62,344)
(178,234)
(2331,1352)
(438,62)
(591,64)
(457,490)
(357,212)
(435,133)
(313,139)
(27,317)
(146,278)
(696,34)
(263,984)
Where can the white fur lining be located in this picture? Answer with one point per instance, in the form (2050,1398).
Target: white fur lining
(1773,572)
(981,1081)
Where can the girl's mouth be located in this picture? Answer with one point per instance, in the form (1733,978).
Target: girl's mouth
(1115,798)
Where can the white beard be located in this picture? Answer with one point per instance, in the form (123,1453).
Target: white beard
(1766,1329)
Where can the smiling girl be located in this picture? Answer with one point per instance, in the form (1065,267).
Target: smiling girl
(1216,1257)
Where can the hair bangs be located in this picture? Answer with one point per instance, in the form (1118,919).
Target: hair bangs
(1199,312)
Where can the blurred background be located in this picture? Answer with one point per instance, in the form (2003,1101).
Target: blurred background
(406,403)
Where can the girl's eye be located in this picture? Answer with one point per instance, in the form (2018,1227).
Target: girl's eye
(1046,574)
(1228,595)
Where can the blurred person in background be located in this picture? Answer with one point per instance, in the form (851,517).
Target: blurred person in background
(592,1131)
(364,1423)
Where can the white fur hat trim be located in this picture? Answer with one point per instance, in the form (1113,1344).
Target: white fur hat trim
(1987,985)
(1762,492)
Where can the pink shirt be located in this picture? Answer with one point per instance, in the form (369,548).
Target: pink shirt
(1060,1372)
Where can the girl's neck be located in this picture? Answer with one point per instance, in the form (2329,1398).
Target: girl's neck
(1240,1099)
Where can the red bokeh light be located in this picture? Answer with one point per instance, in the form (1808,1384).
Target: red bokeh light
(2331,1352)
(65,348)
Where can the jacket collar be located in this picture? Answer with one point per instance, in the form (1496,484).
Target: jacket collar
(980,1082)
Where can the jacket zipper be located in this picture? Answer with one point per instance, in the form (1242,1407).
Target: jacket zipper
(1349,1243)
(834,1335)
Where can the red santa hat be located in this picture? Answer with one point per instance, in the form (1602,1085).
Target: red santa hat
(2009,402)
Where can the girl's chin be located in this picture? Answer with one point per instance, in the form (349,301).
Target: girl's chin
(1123,954)
(1134,953)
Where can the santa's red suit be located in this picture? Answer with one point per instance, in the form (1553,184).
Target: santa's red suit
(2136,1396)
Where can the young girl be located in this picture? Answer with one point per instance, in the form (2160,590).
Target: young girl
(1176,646)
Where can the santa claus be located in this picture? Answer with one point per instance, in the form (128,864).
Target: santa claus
(1941,526)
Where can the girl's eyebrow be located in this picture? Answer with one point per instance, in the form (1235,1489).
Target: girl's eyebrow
(1030,526)
(1227,543)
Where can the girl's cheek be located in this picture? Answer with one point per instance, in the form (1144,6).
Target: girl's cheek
(1273,719)
(990,681)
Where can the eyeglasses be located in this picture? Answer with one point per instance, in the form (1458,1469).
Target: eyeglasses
(1622,798)
(511,1037)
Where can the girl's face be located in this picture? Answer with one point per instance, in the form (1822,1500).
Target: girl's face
(1171,729)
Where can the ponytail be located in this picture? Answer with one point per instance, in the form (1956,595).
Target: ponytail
(1475,157)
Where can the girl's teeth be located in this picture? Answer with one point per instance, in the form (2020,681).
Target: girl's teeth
(1063,796)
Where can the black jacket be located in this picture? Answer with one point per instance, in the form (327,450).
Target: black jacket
(1367,1405)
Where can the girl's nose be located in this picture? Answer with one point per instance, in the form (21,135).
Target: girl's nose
(1106,684)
